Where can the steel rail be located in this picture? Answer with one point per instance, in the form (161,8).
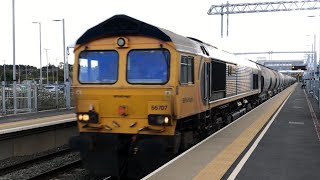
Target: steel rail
(54,171)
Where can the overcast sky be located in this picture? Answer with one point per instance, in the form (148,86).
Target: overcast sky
(277,31)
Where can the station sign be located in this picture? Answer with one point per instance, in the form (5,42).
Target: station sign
(298,68)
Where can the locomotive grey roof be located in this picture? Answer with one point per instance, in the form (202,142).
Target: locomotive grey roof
(119,25)
(122,25)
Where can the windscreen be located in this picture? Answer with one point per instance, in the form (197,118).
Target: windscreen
(98,67)
(148,66)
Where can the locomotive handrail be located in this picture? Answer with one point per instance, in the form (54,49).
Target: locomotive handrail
(219,91)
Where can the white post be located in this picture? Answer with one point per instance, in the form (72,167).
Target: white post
(64,53)
(57,73)
(4,70)
(19,75)
(57,95)
(3,97)
(52,73)
(29,95)
(67,90)
(47,65)
(35,95)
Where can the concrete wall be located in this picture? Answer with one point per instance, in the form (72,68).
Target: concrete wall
(34,143)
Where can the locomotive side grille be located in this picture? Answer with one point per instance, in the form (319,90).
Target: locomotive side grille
(231,81)
(244,79)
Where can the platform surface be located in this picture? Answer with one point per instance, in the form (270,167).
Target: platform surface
(283,146)
(290,149)
(14,123)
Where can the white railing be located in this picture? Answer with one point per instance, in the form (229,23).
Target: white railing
(30,98)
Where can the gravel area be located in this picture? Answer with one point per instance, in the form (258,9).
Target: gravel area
(19,159)
(78,174)
(74,174)
(37,168)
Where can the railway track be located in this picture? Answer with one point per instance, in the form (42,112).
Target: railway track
(42,167)
(61,169)
(26,163)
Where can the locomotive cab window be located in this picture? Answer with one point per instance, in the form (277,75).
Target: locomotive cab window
(148,66)
(98,67)
(187,70)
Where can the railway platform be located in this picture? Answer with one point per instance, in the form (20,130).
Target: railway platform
(34,115)
(26,134)
(277,140)
(19,122)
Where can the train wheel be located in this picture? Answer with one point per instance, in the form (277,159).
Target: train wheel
(248,107)
(228,119)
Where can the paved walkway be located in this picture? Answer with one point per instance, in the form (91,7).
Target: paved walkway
(290,149)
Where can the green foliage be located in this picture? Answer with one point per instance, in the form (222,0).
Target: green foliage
(28,72)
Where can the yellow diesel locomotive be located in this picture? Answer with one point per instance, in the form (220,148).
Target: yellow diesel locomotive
(144,93)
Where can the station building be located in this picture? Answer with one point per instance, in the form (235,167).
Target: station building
(286,66)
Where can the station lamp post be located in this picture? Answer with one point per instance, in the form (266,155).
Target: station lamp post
(40,49)
(14,58)
(65,64)
(26,72)
(47,65)
(314,50)
(4,70)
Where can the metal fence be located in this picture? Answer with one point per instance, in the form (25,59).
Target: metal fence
(313,89)
(31,98)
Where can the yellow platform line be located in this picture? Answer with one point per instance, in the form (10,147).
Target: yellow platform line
(221,163)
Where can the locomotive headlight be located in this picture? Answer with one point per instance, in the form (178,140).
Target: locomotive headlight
(166,120)
(90,117)
(122,42)
(159,119)
(80,117)
(86,117)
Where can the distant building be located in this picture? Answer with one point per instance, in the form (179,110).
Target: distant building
(285,66)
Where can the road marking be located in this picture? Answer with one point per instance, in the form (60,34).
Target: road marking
(236,171)
(298,123)
(297,107)
(314,117)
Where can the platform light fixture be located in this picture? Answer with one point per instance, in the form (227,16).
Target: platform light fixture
(40,50)
(14,58)
(65,63)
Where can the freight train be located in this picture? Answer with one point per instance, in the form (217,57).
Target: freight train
(144,94)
